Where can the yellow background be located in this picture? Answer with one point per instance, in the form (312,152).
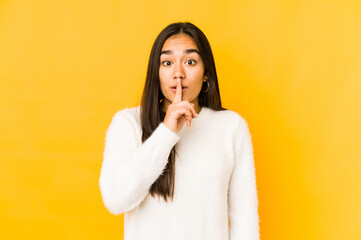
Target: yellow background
(291,68)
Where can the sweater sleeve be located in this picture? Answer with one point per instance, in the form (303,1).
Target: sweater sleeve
(242,192)
(129,170)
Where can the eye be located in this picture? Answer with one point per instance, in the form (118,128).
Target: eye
(165,63)
(191,61)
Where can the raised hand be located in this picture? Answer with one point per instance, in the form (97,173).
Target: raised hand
(179,111)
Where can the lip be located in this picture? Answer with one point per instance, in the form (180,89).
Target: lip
(174,89)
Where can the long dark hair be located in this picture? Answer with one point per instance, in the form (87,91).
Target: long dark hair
(151,113)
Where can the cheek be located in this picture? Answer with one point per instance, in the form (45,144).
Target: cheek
(163,76)
(197,77)
(162,87)
(196,73)
(163,83)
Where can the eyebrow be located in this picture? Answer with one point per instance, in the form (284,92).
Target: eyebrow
(185,51)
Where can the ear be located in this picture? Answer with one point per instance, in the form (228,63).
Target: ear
(205,77)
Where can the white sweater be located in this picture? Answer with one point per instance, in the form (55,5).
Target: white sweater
(214,178)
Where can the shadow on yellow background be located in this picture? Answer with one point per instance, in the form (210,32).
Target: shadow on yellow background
(293,70)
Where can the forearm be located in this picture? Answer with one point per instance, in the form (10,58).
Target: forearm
(128,172)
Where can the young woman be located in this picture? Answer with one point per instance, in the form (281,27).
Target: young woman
(180,166)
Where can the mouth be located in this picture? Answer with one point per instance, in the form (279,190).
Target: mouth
(174,89)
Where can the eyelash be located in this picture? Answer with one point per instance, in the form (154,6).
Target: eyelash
(169,61)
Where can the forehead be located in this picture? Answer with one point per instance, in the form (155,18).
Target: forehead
(179,41)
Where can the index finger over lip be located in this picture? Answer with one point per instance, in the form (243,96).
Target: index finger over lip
(178,93)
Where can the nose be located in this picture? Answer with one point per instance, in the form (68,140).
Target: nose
(178,72)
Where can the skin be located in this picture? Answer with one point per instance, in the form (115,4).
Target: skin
(180,69)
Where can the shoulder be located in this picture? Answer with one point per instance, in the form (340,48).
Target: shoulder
(237,127)
(231,124)
(129,114)
(123,128)
(230,119)
(125,120)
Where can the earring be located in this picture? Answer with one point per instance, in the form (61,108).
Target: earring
(207,87)
(161,100)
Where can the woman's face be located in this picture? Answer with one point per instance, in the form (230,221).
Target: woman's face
(180,59)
